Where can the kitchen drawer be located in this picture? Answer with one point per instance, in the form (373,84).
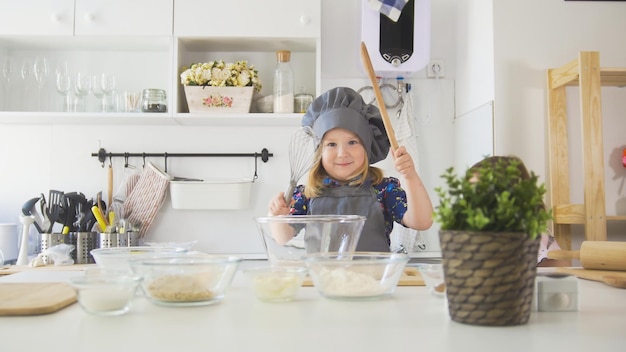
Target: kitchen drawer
(123,17)
(266,18)
(37,17)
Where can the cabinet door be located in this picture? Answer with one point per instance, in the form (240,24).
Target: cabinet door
(247,18)
(124,17)
(36,17)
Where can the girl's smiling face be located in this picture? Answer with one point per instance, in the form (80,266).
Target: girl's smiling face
(343,154)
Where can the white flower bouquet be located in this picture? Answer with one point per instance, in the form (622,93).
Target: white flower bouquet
(221,74)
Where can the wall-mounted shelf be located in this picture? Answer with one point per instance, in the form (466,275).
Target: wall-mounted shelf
(62,118)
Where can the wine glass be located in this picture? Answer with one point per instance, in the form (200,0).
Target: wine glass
(83,87)
(64,85)
(98,90)
(41,76)
(108,87)
(8,73)
(26,71)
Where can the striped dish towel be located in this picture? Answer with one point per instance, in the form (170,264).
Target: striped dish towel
(390,8)
(146,197)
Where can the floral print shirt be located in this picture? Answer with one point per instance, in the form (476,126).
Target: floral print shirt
(390,196)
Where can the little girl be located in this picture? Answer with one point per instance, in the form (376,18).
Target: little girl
(352,136)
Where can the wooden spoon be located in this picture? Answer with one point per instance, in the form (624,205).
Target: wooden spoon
(367,62)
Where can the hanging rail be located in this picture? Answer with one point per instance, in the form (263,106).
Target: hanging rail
(102,155)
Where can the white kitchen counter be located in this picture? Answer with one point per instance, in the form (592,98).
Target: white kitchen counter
(411,320)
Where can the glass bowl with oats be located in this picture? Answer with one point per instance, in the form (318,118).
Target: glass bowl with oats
(193,280)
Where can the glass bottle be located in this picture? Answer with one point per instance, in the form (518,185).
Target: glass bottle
(283,83)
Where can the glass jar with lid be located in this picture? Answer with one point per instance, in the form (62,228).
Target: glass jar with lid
(153,100)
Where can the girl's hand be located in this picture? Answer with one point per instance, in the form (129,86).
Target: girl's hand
(403,163)
(278,206)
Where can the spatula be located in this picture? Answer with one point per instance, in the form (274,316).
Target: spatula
(55,205)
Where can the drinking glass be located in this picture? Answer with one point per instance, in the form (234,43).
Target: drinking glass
(83,87)
(26,72)
(41,76)
(108,87)
(8,74)
(64,85)
(98,92)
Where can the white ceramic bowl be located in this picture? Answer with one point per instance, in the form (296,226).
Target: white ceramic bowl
(288,238)
(120,257)
(106,293)
(276,283)
(433,278)
(186,281)
(360,275)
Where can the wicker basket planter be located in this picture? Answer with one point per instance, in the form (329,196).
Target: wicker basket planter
(489,276)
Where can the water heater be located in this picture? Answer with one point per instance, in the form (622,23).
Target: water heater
(397,49)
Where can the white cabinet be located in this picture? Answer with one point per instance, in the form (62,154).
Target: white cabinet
(124,17)
(86,17)
(37,17)
(145,43)
(266,18)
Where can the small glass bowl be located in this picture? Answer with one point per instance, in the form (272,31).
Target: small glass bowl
(105,293)
(433,277)
(276,283)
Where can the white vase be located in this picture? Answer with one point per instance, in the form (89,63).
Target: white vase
(218,99)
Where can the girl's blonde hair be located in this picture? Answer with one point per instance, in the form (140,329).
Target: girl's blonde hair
(317,174)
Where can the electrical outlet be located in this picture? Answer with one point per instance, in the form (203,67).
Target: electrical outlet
(436,69)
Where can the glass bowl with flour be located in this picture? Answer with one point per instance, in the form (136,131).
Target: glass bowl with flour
(193,280)
(358,275)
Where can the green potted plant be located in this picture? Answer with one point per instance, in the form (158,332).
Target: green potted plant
(491,218)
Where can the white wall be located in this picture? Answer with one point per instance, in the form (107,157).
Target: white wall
(35,159)
(524,49)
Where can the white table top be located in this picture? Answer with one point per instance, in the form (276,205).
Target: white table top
(410,320)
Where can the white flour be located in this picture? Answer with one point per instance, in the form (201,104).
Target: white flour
(342,282)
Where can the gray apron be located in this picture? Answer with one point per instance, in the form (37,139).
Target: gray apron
(350,200)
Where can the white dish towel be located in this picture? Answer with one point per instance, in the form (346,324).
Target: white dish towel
(389,8)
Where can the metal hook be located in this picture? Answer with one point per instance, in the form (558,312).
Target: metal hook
(255,176)
(144,159)
(126,155)
(110,160)
(165,156)
(102,155)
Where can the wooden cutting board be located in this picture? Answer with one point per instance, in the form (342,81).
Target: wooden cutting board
(410,277)
(590,274)
(34,298)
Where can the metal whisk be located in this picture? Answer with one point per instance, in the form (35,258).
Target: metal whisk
(301,149)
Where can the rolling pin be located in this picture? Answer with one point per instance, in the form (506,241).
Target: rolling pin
(605,255)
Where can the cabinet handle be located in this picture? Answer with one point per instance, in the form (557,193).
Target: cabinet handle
(305,19)
(55,18)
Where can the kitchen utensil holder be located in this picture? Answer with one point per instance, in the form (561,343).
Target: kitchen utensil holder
(49,240)
(107,240)
(84,242)
(128,239)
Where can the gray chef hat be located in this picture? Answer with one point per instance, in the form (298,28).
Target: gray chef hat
(342,107)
